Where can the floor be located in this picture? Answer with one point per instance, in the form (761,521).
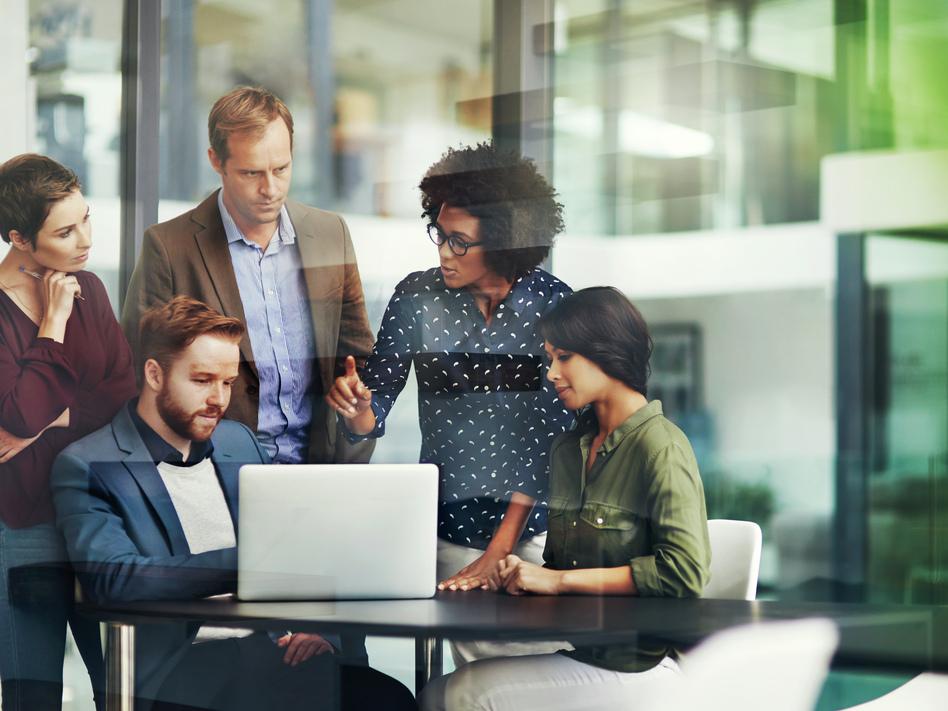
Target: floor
(396,657)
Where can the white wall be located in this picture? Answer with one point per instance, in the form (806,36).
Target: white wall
(14,80)
(762,298)
(768,386)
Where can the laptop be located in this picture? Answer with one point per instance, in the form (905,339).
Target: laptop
(337,531)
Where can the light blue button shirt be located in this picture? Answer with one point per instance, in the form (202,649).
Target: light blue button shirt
(276,305)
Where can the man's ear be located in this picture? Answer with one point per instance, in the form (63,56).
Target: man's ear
(19,241)
(154,374)
(215,161)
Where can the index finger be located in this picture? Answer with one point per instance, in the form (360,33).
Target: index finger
(447,583)
(350,366)
(342,387)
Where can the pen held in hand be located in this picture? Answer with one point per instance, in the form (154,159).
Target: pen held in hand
(37,275)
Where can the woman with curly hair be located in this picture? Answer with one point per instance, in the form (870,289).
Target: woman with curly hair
(487,413)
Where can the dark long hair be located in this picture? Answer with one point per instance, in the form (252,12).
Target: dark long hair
(601,324)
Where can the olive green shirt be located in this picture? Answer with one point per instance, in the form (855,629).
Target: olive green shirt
(641,505)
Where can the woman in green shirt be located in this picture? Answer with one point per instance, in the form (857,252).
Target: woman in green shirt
(627,517)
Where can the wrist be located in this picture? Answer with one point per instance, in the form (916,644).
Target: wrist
(499,548)
(363,423)
(563,582)
(52,327)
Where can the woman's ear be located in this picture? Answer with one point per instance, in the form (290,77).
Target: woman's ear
(19,241)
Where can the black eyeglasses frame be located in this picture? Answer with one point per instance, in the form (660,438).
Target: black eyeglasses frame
(457,245)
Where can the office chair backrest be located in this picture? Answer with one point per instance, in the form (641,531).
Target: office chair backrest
(771,666)
(735,559)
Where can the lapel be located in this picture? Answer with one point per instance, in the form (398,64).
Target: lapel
(323,269)
(227,471)
(212,245)
(140,465)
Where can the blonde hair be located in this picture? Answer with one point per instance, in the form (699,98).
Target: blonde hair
(245,109)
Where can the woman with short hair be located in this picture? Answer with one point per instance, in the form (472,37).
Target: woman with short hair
(627,517)
(65,370)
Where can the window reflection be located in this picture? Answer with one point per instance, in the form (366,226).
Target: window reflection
(688,146)
(75,73)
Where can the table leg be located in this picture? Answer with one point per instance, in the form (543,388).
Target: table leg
(119,667)
(428,663)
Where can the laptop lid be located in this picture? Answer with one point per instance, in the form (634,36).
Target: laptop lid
(337,531)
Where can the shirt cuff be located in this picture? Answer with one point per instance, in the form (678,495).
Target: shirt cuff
(645,576)
(44,348)
(356,438)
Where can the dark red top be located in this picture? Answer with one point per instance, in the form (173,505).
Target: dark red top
(91,373)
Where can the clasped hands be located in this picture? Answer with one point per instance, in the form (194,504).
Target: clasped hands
(509,573)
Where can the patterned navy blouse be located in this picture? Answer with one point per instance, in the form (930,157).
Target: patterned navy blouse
(487,412)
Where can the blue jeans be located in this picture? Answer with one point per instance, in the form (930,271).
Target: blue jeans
(36,603)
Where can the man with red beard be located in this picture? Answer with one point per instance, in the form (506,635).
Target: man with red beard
(148,506)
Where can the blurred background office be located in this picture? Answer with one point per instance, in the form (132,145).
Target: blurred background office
(766,179)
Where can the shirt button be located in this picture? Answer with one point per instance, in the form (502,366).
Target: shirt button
(599,520)
(285,368)
(574,523)
(270,292)
(277,329)
(574,563)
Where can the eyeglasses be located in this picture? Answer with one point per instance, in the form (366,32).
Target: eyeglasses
(457,245)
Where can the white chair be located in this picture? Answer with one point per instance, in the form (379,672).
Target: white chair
(926,692)
(771,666)
(735,559)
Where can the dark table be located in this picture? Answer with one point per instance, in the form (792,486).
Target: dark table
(893,637)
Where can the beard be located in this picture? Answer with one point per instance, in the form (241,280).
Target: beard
(186,424)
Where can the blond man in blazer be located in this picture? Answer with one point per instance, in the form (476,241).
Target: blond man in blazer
(285,269)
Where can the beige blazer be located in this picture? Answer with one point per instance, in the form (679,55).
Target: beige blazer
(189,255)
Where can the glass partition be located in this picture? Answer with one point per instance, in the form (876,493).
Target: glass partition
(378,92)
(687,148)
(76,81)
(908,425)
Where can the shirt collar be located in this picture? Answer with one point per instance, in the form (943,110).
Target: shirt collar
(160,450)
(521,295)
(286,233)
(614,438)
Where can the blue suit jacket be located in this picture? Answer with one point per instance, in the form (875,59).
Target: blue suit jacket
(125,539)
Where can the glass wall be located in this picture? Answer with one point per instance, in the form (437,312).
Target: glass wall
(75,83)
(378,92)
(688,140)
(688,146)
(62,71)
(908,426)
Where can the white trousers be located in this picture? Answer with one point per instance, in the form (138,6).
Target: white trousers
(451,558)
(549,682)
